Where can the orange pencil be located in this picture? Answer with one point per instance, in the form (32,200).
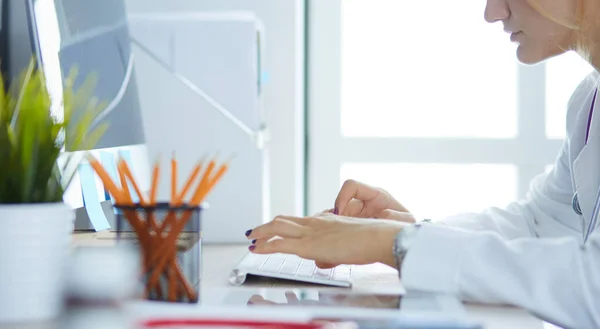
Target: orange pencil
(205,178)
(105,177)
(173,178)
(188,183)
(166,247)
(200,186)
(155,179)
(153,192)
(160,257)
(210,185)
(124,185)
(125,169)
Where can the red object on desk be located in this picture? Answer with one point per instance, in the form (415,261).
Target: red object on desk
(191,323)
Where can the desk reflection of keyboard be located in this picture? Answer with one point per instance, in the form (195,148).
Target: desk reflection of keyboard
(289,267)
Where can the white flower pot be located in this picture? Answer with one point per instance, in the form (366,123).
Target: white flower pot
(35,241)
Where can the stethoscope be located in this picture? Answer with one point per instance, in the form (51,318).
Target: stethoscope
(575,202)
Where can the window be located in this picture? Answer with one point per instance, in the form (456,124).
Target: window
(388,89)
(417,184)
(431,105)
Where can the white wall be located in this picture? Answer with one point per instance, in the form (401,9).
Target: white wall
(283,91)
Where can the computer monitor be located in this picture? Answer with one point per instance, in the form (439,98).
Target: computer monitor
(94,37)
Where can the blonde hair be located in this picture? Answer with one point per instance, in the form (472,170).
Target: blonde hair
(583,43)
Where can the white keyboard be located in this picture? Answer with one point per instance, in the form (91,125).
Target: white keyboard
(289,267)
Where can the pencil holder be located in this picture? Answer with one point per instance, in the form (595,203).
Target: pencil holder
(169,240)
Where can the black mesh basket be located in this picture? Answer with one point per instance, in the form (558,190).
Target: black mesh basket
(169,239)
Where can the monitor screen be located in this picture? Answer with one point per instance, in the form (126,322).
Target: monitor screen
(92,36)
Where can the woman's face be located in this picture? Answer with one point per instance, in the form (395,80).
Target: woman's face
(538,36)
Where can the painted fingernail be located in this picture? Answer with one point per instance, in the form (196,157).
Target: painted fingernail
(335,211)
(254,241)
(248,232)
(252,248)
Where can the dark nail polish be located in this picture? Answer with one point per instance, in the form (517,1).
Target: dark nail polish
(252,248)
(335,211)
(248,232)
(254,241)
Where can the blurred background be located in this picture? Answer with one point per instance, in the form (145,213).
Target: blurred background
(430,105)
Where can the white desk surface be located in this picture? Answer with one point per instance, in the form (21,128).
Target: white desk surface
(219,260)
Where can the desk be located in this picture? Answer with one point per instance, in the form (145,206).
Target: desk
(218,260)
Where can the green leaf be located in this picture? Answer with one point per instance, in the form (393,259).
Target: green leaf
(29,150)
(28,153)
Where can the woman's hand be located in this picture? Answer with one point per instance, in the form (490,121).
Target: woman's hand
(328,240)
(357,199)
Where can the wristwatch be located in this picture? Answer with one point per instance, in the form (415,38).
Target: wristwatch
(402,244)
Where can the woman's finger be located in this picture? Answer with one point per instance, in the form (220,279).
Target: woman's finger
(396,215)
(277,227)
(352,189)
(284,246)
(297,220)
(262,240)
(325,265)
(354,208)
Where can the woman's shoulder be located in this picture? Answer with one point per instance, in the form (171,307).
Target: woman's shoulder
(581,99)
(585,90)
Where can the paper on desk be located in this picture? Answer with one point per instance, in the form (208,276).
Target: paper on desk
(91,200)
(140,310)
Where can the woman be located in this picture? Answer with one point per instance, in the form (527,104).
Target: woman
(535,253)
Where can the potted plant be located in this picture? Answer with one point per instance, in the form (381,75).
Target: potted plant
(35,224)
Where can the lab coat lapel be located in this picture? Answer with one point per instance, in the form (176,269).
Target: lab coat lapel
(585,169)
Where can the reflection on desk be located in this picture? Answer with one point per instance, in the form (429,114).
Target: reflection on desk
(219,259)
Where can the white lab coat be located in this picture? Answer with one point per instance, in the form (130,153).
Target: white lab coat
(530,254)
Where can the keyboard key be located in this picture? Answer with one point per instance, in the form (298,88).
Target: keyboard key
(271,268)
(280,257)
(272,265)
(322,275)
(305,271)
(288,270)
(294,262)
(323,270)
(294,258)
(304,274)
(343,269)
(308,263)
(259,263)
(341,277)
